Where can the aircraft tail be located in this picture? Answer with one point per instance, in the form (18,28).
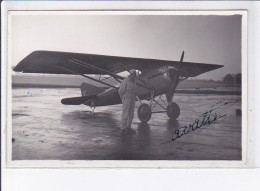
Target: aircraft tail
(90,90)
(76,100)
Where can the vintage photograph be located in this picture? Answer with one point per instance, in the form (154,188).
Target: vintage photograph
(95,85)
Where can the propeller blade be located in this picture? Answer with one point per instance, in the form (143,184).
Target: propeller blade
(170,93)
(182,56)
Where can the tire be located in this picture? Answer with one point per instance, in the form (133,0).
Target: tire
(173,110)
(144,112)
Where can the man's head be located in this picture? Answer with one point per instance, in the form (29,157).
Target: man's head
(132,75)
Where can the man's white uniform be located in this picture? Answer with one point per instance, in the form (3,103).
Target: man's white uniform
(127,93)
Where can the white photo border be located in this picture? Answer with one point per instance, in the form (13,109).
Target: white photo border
(125,163)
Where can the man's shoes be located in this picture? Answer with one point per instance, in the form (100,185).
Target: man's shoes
(128,131)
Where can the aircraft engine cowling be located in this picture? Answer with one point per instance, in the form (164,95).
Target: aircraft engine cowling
(173,76)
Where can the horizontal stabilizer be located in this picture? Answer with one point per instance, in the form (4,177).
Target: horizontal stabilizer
(76,100)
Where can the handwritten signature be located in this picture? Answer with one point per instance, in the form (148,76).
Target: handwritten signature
(207,119)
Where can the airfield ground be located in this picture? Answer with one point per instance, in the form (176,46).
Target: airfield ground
(43,128)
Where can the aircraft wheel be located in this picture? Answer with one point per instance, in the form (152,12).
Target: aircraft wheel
(173,110)
(144,112)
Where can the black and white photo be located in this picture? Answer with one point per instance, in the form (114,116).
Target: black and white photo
(150,86)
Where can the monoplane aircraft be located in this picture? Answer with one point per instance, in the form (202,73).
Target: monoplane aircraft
(156,78)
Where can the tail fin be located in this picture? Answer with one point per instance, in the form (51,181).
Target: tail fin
(90,90)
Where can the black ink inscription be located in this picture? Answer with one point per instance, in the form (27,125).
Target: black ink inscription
(206,119)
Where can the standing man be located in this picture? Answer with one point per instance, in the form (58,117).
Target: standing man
(127,93)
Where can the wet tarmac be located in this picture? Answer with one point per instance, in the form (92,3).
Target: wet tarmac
(44,129)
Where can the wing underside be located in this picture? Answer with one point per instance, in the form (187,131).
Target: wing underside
(51,62)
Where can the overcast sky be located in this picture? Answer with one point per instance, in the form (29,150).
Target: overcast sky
(206,39)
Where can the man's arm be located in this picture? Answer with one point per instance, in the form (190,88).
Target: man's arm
(122,88)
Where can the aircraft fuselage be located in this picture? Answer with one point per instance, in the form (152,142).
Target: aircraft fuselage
(158,80)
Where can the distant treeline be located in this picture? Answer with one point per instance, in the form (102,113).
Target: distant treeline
(75,82)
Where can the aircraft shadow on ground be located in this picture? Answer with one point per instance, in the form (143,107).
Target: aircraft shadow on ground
(108,119)
(143,128)
(173,124)
(86,118)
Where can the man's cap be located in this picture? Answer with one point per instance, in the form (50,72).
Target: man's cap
(132,71)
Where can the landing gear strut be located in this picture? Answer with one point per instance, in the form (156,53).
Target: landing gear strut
(145,111)
(93,107)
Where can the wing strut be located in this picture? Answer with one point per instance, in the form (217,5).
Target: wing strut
(84,64)
(68,70)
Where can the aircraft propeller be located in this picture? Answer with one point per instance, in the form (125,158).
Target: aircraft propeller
(174,77)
